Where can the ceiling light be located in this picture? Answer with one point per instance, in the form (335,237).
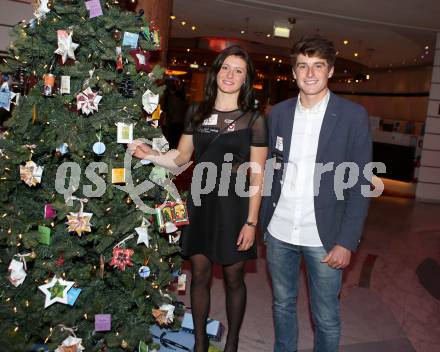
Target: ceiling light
(183,23)
(426,47)
(173,17)
(193,28)
(345,42)
(280,61)
(273,59)
(356,54)
(282,29)
(367,76)
(242,31)
(268,35)
(267,56)
(188,49)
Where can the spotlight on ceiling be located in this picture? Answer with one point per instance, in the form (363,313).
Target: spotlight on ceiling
(281,29)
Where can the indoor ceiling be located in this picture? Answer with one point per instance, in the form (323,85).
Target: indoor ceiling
(384,33)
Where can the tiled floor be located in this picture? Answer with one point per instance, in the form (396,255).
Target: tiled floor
(384,306)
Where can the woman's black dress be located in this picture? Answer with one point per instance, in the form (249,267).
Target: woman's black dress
(216,218)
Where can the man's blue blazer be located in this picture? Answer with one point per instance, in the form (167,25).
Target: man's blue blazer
(344,137)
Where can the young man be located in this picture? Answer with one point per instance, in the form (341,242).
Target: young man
(317,142)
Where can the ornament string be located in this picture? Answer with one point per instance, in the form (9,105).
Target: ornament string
(119,244)
(62,328)
(22,257)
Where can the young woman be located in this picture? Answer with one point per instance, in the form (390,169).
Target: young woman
(224,131)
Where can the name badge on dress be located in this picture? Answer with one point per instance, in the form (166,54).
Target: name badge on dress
(210,121)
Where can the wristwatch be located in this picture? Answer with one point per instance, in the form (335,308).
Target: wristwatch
(250,223)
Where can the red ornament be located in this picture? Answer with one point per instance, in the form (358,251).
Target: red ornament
(121,257)
(141,59)
(59,261)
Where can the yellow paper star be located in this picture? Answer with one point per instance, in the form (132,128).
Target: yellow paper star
(79,223)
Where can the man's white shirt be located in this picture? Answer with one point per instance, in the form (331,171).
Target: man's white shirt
(294,218)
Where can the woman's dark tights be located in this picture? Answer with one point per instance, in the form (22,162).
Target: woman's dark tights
(200,300)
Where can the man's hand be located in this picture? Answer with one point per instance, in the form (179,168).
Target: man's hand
(338,257)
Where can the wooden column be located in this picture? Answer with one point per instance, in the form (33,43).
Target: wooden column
(159,11)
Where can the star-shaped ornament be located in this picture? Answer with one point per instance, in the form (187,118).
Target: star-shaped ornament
(66,46)
(56,291)
(6,96)
(31,173)
(121,258)
(87,101)
(41,8)
(79,222)
(142,231)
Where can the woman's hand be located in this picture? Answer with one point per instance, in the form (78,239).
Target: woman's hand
(246,237)
(139,149)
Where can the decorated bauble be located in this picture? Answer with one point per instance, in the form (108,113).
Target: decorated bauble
(117,35)
(126,88)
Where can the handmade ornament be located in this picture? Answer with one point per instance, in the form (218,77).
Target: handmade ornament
(170,228)
(18,271)
(79,222)
(144,271)
(156,114)
(119,63)
(20,76)
(99,147)
(118,175)
(164,315)
(49,211)
(72,295)
(103,322)
(124,132)
(142,231)
(6,96)
(31,173)
(71,344)
(141,59)
(66,46)
(121,258)
(87,101)
(41,8)
(160,144)
(126,87)
(94,8)
(44,235)
(150,101)
(130,39)
(173,212)
(65,85)
(181,283)
(49,83)
(152,36)
(56,291)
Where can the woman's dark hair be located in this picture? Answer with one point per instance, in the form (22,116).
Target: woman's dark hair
(314,46)
(246,97)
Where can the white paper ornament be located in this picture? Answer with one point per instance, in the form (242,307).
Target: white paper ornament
(66,46)
(46,289)
(42,9)
(18,274)
(150,101)
(71,341)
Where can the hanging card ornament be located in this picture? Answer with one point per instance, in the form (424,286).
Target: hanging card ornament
(71,344)
(79,222)
(65,85)
(49,211)
(6,96)
(18,271)
(118,175)
(87,101)
(150,101)
(41,8)
(103,322)
(66,46)
(72,295)
(130,40)
(44,235)
(56,291)
(49,83)
(124,132)
(31,173)
(121,258)
(141,59)
(152,36)
(94,8)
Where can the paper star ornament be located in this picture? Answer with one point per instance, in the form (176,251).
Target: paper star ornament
(79,222)
(6,96)
(71,344)
(31,173)
(164,315)
(87,101)
(41,8)
(66,46)
(142,231)
(121,258)
(56,291)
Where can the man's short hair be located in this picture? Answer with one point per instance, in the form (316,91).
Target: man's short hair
(314,46)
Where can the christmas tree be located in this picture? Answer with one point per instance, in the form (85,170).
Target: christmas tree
(78,257)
